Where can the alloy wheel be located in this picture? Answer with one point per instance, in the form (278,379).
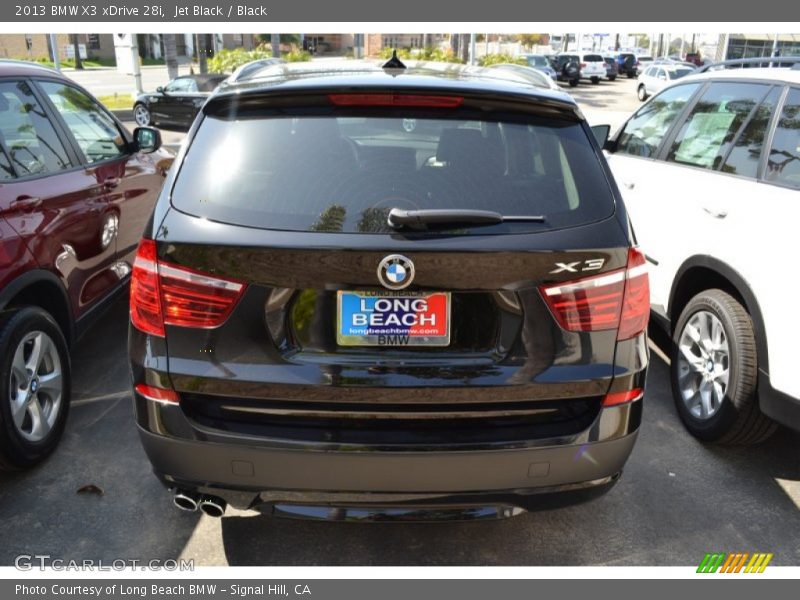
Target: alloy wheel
(35,386)
(703,365)
(141,115)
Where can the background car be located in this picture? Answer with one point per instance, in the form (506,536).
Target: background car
(593,67)
(76,190)
(540,62)
(612,70)
(535,76)
(694,58)
(177,103)
(658,76)
(403,291)
(642,62)
(249,69)
(567,68)
(710,172)
(627,64)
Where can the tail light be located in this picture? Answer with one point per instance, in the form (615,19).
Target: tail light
(617,398)
(167,294)
(157,394)
(583,65)
(636,302)
(146,312)
(616,300)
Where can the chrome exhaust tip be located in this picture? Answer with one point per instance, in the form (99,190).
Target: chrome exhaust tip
(185,500)
(213,506)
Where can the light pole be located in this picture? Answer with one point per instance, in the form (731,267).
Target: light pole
(472,48)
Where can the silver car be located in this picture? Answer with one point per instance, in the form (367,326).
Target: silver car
(658,76)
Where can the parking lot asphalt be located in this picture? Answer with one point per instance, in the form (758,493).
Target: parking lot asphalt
(677,499)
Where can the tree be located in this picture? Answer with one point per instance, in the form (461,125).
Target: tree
(170,55)
(76,46)
(529,40)
(202,59)
(463,47)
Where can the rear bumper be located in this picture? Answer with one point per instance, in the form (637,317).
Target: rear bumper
(248,475)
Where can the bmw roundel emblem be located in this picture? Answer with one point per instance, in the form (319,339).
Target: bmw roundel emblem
(396,272)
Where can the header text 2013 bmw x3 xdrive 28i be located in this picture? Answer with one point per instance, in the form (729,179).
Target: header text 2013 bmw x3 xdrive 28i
(388,292)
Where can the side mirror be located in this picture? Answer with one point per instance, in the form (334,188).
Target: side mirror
(160,89)
(601,133)
(147,139)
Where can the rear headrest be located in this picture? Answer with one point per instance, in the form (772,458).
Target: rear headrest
(457,145)
(467,150)
(320,130)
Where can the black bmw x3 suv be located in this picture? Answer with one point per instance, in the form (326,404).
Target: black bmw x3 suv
(376,293)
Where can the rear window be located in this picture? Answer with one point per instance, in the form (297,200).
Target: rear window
(344,174)
(678,73)
(593,58)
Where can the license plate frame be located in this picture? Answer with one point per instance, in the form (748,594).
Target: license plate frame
(393,338)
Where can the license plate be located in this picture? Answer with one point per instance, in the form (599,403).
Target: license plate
(393,319)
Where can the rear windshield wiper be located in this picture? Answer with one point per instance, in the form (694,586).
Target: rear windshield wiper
(442,217)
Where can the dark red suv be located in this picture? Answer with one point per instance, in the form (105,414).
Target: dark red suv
(76,190)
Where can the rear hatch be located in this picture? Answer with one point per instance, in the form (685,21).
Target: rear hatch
(295,308)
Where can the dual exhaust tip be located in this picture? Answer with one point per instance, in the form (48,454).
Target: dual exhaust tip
(191,501)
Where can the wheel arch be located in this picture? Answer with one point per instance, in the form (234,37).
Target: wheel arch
(700,273)
(43,289)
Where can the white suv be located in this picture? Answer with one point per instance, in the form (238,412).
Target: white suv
(710,173)
(593,67)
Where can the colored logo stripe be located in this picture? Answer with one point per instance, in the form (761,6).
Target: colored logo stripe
(734,562)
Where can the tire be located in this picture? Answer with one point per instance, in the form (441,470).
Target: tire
(641,92)
(595,80)
(612,78)
(573,83)
(142,116)
(631,75)
(22,443)
(730,413)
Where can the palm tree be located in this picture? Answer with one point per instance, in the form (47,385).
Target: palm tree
(170,55)
(76,46)
(275,40)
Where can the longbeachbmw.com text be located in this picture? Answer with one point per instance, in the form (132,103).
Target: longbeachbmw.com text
(159,590)
(149,10)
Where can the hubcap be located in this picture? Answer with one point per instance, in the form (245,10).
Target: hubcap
(703,364)
(141,115)
(35,389)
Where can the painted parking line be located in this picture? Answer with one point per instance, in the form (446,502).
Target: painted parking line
(103,398)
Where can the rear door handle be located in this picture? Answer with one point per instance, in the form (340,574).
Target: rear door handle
(717,214)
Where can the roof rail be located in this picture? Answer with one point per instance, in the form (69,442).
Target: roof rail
(762,61)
